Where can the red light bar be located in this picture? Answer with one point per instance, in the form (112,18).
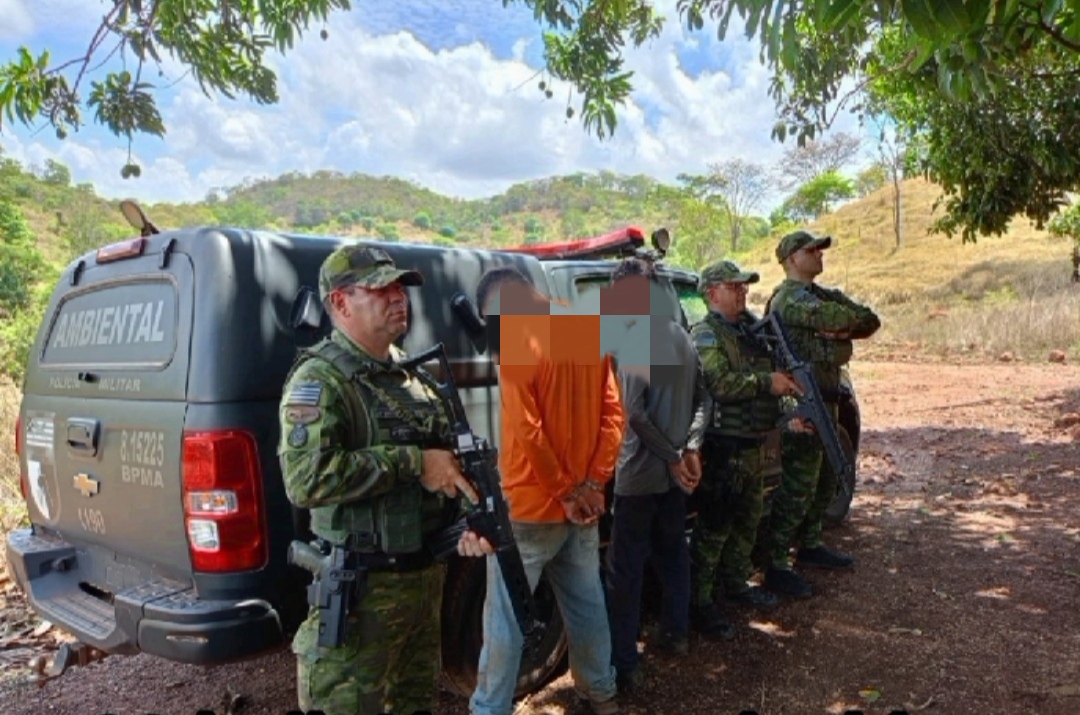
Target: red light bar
(121,249)
(622,240)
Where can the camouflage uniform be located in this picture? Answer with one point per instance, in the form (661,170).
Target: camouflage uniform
(352,430)
(806,310)
(741,450)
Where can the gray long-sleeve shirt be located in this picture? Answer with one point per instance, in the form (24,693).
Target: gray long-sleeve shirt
(666,399)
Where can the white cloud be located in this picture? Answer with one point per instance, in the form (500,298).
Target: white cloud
(17,23)
(456,120)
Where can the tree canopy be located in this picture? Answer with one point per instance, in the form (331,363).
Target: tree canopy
(984,91)
(222,43)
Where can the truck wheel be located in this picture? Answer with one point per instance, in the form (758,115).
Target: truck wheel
(840,507)
(463,633)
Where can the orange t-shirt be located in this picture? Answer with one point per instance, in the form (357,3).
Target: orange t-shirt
(562,412)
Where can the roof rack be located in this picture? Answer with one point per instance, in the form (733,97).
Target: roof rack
(623,242)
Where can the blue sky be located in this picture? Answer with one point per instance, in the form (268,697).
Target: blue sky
(440,93)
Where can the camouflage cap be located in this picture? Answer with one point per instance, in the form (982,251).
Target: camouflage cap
(364,266)
(797,240)
(725,272)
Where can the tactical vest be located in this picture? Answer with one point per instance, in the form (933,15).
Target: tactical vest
(827,356)
(751,417)
(400,410)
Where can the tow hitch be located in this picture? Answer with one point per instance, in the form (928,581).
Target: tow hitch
(69,655)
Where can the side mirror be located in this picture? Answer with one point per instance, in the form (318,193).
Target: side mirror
(661,240)
(137,218)
(307,310)
(474,325)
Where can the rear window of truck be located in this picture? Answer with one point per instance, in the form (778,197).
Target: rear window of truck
(131,324)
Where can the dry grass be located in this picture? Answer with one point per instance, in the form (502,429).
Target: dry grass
(1009,293)
(12,506)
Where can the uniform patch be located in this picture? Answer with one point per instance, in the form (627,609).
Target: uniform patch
(298,436)
(402,433)
(705,339)
(305,393)
(302,414)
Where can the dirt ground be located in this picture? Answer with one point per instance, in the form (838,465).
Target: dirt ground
(967,530)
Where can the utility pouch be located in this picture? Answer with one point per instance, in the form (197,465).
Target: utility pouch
(839,352)
(771,462)
(400,521)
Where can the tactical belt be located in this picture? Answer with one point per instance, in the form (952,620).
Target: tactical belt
(382,561)
(379,561)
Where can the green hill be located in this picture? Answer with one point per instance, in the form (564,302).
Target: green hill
(935,293)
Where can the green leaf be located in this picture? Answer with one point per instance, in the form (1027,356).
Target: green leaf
(920,15)
(840,12)
(925,52)
(953,17)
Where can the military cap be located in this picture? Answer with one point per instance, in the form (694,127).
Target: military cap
(725,272)
(364,266)
(797,240)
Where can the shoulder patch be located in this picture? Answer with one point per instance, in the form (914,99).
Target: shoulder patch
(302,414)
(704,338)
(298,436)
(305,393)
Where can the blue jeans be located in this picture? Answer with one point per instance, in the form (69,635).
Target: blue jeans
(569,555)
(647,524)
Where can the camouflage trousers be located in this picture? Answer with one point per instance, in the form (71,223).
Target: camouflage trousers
(730,506)
(805,492)
(390,660)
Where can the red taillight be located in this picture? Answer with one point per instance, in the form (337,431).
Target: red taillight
(223,501)
(24,485)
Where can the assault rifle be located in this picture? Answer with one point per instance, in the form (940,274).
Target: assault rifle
(770,330)
(490,518)
(339,578)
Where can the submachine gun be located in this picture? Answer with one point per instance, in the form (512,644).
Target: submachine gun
(490,518)
(811,407)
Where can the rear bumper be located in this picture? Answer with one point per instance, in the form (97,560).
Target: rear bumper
(157,615)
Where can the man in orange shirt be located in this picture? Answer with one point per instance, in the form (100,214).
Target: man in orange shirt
(562,425)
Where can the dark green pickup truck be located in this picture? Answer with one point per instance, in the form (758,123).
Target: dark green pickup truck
(156,375)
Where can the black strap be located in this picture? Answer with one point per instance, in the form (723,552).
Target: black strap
(374,560)
(379,561)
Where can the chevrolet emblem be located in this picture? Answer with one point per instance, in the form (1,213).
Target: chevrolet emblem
(87,485)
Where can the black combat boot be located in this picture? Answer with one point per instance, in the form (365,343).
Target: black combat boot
(824,557)
(709,621)
(670,642)
(755,597)
(787,582)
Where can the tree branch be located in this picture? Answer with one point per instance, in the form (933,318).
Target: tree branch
(1057,36)
(862,85)
(103,29)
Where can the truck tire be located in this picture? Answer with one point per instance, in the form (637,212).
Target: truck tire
(839,509)
(463,636)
